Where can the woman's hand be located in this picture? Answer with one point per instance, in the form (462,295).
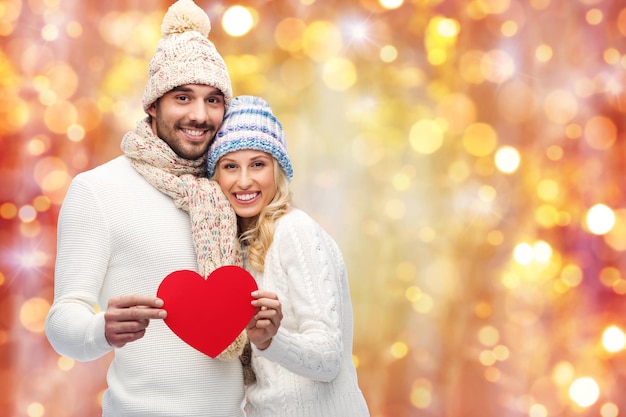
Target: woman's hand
(266,321)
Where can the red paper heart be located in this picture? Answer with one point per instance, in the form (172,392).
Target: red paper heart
(208,314)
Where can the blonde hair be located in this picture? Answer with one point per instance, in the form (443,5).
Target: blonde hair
(260,236)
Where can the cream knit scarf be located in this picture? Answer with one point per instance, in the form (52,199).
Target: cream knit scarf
(213,221)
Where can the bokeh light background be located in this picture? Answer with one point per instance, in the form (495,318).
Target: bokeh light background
(468,156)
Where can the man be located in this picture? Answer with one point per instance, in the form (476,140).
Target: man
(127,224)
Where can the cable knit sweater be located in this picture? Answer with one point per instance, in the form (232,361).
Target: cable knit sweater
(118,235)
(307,370)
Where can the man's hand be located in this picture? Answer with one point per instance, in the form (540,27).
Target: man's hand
(127,316)
(266,321)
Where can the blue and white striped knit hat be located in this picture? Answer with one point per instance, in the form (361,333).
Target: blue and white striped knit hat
(250,124)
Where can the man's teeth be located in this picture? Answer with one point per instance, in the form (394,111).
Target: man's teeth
(194,132)
(246,197)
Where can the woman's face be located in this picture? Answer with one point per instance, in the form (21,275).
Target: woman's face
(247,178)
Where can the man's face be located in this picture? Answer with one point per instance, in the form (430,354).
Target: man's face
(187,118)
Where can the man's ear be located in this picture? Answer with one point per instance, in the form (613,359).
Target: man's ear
(152,109)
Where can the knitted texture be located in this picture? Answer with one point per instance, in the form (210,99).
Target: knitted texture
(213,221)
(185,55)
(250,124)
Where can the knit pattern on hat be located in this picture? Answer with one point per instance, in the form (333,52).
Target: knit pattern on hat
(185,55)
(250,124)
(213,221)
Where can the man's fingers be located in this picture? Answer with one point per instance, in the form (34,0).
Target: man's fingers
(126,301)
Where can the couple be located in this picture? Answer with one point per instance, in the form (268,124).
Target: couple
(166,205)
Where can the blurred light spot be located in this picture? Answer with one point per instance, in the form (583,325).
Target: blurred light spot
(426,136)
(612,56)
(339,74)
(426,234)
(237,21)
(41,203)
(594,17)
(609,409)
(523,254)
(538,410)
(75,133)
(487,193)
(573,131)
(492,374)
(322,41)
(35,410)
(561,106)
(609,276)
(554,153)
(600,132)
(401,181)
(391,4)
(495,237)
(388,53)
(483,310)
(548,190)
(65,364)
(507,159)
(547,215)
(289,33)
(35,146)
(480,139)
(584,391)
(613,339)
(49,32)
(424,304)
(14,114)
(448,28)
(399,350)
(488,335)
(458,171)
(33,314)
(509,28)
(543,53)
(413,293)
(572,275)
(542,251)
(8,211)
(501,352)
(563,373)
(27,213)
(600,219)
(421,393)
(616,237)
(74,29)
(486,358)
(60,116)
(511,280)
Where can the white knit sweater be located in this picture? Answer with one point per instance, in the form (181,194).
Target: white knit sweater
(118,235)
(307,370)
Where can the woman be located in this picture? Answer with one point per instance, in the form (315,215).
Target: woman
(306,369)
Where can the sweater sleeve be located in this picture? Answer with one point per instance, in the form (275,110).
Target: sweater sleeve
(313,346)
(74,326)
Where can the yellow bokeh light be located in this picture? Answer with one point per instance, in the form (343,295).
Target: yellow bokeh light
(609,410)
(600,132)
(399,350)
(339,74)
(480,139)
(322,41)
(584,391)
(600,219)
(237,20)
(426,136)
(488,335)
(507,159)
(613,339)
(421,393)
(33,313)
(523,253)
(391,4)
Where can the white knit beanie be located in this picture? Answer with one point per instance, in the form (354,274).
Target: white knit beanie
(185,55)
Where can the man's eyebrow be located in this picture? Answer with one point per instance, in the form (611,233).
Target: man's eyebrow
(187,89)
